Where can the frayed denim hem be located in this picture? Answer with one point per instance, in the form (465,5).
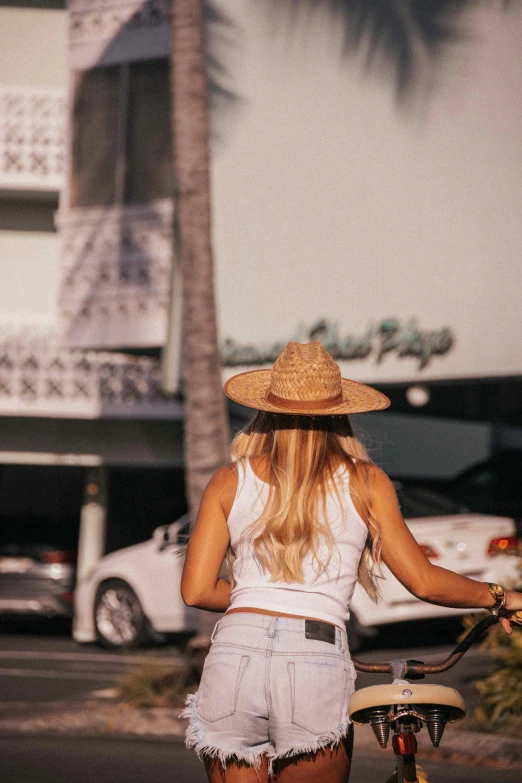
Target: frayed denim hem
(328,740)
(193,739)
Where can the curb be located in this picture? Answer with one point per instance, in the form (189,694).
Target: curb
(91,718)
(160,724)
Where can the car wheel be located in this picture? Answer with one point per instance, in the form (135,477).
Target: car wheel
(118,616)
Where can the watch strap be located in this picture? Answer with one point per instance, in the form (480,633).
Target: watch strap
(499,596)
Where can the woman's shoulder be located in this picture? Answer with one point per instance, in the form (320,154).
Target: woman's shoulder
(223,486)
(377,480)
(224,477)
(378,477)
(382,489)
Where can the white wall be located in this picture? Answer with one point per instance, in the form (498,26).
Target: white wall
(33,53)
(330,202)
(33,47)
(29,274)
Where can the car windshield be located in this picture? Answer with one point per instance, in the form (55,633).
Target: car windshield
(422,502)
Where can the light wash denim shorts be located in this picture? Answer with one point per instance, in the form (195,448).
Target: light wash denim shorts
(268,690)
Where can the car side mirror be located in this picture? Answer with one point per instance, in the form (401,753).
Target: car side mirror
(183,531)
(161,537)
(176,533)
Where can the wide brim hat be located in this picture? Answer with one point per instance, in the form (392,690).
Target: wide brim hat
(304,380)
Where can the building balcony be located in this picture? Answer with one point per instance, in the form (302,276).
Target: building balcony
(39,378)
(32,139)
(116,275)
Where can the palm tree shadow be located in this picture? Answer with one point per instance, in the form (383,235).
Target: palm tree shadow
(398,39)
(224,101)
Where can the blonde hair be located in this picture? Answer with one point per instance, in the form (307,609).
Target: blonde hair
(302,454)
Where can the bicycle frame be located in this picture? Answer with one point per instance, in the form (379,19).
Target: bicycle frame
(406,709)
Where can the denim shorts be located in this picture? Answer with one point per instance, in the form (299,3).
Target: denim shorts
(268,690)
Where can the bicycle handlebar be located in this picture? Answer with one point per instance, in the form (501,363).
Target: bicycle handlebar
(412,668)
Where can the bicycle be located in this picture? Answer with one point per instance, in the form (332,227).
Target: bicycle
(406,707)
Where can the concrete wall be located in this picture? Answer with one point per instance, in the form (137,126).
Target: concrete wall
(33,47)
(33,53)
(29,271)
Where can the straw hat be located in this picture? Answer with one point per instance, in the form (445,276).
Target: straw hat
(304,380)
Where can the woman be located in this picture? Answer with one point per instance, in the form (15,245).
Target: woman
(303,514)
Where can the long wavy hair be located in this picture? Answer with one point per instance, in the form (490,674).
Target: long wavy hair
(302,455)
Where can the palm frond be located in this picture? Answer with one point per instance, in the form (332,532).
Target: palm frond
(393,30)
(220,34)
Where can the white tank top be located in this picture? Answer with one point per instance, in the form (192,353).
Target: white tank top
(325,596)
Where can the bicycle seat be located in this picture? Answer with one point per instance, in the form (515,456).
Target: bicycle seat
(367,700)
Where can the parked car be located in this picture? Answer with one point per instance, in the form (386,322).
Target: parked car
(480,546)
(491,486)
(133,595)
(36,579)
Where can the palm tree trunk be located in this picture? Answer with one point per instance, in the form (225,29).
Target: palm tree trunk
(206,432)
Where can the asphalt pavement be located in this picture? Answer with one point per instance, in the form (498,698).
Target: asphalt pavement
(88,760)
(41,663)
(45,667)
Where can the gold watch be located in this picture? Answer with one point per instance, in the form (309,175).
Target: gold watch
(499,596)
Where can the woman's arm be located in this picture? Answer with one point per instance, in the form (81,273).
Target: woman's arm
(201,585)
(407,562)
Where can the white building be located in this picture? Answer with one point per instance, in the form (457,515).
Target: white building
(391,232)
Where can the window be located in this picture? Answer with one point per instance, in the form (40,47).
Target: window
(421,502)
(121,149)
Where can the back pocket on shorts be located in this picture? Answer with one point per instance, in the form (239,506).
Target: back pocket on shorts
(220,685)
(318,692)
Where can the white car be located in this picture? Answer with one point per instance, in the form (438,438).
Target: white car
(476,545)
(133,595)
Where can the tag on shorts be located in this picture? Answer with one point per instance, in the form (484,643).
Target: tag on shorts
(322,632)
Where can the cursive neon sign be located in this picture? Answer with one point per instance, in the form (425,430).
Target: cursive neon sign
(388,336)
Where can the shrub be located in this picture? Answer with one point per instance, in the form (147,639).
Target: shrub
(153,685)
(501,691)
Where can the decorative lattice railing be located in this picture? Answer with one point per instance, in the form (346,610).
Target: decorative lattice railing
(32,139)
(38,377)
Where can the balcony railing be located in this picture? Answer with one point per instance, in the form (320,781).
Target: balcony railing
(32,139)
(38,377)
(116,275)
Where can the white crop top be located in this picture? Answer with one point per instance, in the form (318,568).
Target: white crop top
(326,596)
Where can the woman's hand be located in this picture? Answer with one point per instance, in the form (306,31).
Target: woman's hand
(512,612)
